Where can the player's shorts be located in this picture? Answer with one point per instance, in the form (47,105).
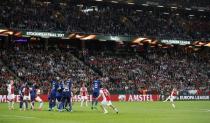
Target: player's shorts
(83,97)
(58,97)
(32,98)
(21,98)
(172,98)
(10,96)
(38,99)
(52,95)
(106,103)
(26,98)
(66,94)
(95,94)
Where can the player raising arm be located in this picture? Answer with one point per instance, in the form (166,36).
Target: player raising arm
(172,96)
(106,100)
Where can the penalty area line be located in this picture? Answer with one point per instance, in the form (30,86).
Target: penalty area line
(17,116)
(206,110)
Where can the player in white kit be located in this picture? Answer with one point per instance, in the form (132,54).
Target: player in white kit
(84,95)
(11,94)
(26,97)
(34,94)
(38,99)
(172,96)
(106,100)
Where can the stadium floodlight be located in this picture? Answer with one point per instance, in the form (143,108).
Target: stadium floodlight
(160,6)
(114,1)
(139,10)
(188,9)
(174,7)
(131,3)
(144,4)
(98,0)
(166,13)
(80,5)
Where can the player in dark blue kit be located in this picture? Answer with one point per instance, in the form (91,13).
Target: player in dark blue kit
(96,89)
(33,95)
(52,94)
(66,96)
(20,91)
(59,94)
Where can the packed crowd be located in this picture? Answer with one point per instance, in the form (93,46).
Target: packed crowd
(156,70)
(42,66)
(112,19)
(4,76)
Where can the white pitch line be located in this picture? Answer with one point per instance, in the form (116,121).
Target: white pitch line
(190,110)
(17,116)
(206,110)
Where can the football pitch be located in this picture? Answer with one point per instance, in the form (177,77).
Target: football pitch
(130,112)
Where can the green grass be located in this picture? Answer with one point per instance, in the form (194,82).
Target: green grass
(130,112)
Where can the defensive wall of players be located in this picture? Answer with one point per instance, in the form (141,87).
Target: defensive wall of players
(128,97)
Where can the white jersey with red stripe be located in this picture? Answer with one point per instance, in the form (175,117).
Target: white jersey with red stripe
(26,91)
(11,92)
(83,91)
(105,94)
(174,93)
(11,89)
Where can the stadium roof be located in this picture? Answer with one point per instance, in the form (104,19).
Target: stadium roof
(199,4)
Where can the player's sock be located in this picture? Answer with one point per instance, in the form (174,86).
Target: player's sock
(173,105)
(86,103)
(12,105)
(93,101)
(26,104)
(105,111)
(32,105)
(9,105)
(53,103)
(116,110)
(61,106)
(58,105)
(96,102)
(70,105)
(41,105)
(21,104)
(50,105)
(82,103)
